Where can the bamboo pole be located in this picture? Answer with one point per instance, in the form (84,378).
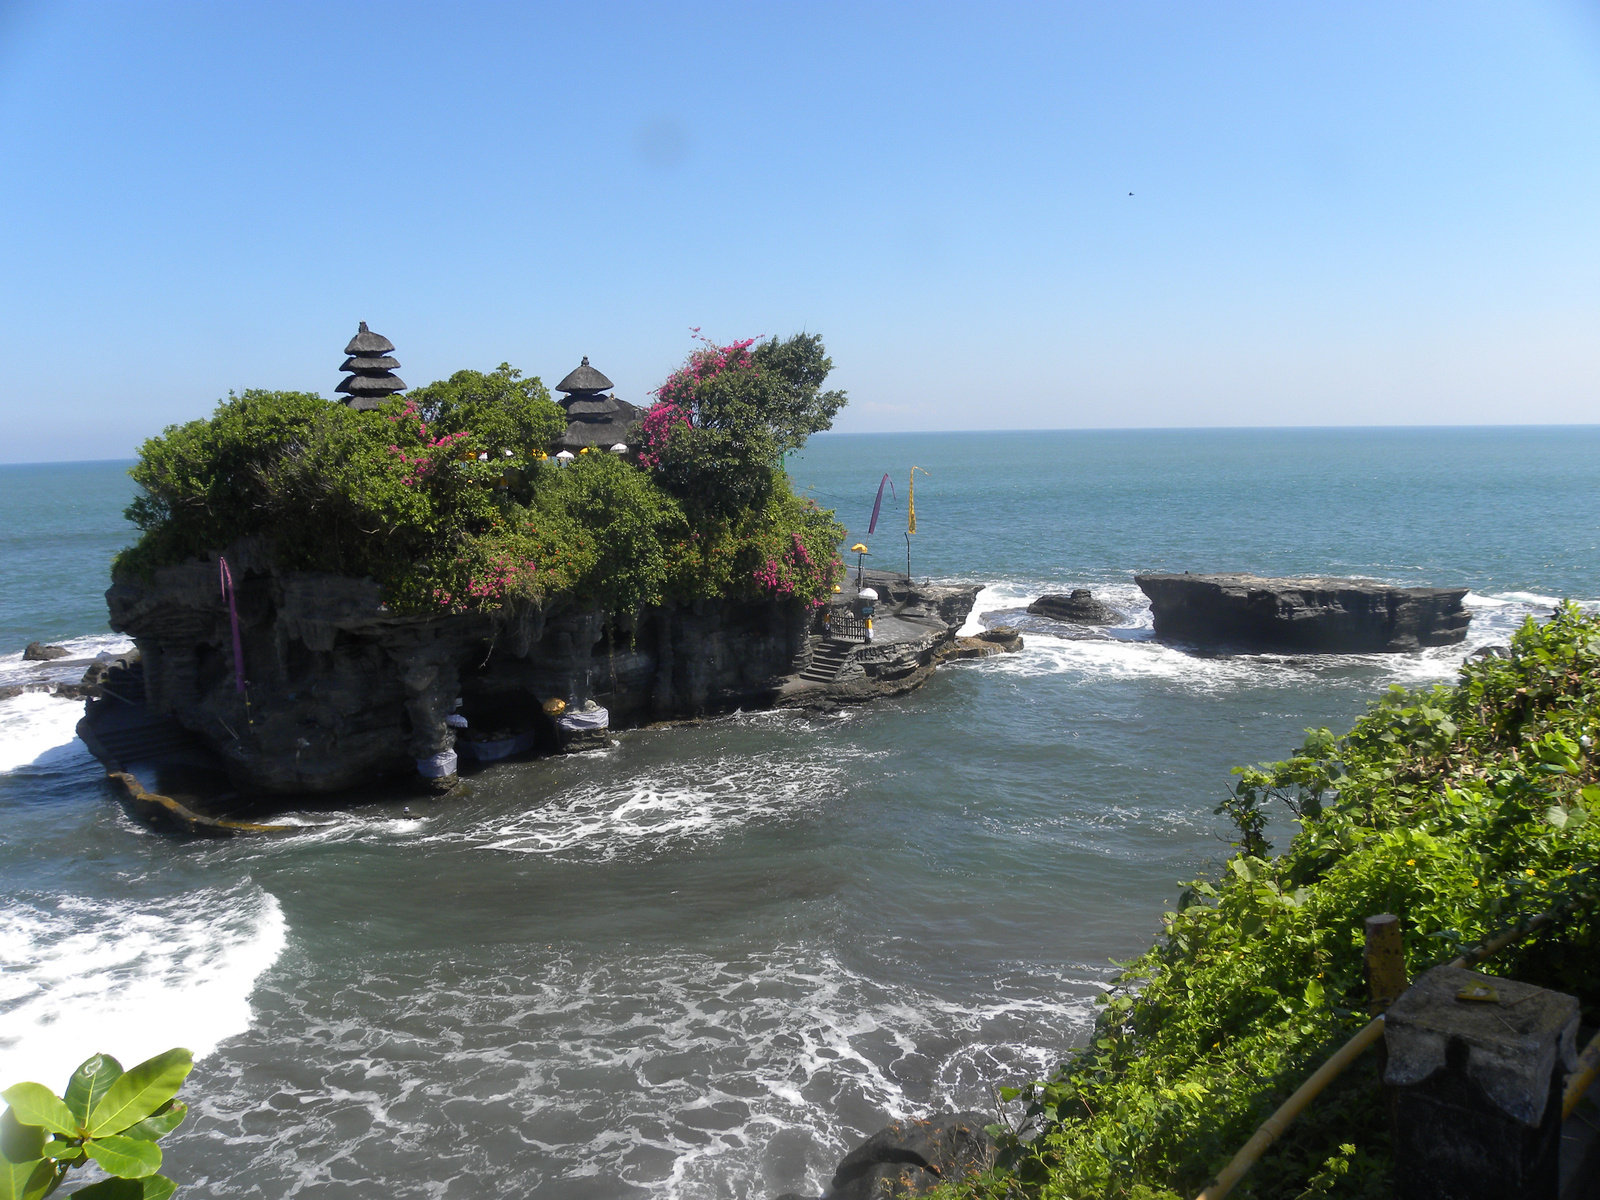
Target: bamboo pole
(1580,1080)
(1272,1128)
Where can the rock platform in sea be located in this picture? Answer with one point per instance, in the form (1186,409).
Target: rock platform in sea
(39,652)
(1078,608)
(1318,615)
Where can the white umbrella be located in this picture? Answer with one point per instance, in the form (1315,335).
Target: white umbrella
(868,594)
(619,448)
(566,456)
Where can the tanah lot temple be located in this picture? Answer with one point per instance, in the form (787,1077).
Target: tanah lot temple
(596,419)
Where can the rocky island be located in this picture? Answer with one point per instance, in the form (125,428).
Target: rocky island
(1334,616)
(328,593)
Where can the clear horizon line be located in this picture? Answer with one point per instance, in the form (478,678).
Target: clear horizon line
(826,433)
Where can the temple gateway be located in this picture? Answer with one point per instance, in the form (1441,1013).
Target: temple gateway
(595,419)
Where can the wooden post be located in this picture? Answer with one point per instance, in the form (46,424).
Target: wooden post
(1385,962)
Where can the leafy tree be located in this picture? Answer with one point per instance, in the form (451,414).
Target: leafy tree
(724,420)
(503,410)
(108,1116)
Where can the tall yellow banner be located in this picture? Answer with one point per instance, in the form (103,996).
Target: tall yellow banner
(911,501)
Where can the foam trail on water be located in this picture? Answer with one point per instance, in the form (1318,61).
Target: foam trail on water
(87,976)
(35,723)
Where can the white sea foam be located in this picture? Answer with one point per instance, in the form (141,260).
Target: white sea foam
(128,979)
(13,668)
(679,1073)
(646,813)
(39,730)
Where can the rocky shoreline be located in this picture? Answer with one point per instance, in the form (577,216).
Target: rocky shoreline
(336,692)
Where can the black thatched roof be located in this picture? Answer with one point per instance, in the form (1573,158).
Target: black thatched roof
(367,342)
(603,434)
(583,379)
(364,403)
(598,408)
(372,385)
(370,366)
(599,421)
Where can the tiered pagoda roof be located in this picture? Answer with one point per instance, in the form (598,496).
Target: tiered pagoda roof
(372,379)
(593,417)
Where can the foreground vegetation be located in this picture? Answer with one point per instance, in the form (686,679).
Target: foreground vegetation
(448,499)
(1461,809)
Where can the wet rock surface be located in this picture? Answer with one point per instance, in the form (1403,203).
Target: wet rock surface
(38,652)
(1076,608)
(339,691)
(910,1157)
(1320,615)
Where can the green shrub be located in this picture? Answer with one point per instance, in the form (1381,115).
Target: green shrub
(445,497)
(1461,809)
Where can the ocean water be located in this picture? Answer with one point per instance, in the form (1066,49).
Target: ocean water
(703,963)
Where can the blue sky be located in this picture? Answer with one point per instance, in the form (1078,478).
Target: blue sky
(1340,214)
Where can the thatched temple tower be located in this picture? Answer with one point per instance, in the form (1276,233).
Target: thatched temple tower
(372,379)
(594,419)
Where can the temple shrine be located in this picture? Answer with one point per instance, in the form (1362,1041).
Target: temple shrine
(595,419)
(372,379)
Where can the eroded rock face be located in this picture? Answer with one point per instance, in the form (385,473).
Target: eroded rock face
(341,691)
(1079,608)
(910,1157)
(38,652)
(1336,616)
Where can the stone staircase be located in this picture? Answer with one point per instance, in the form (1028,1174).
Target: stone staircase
(827,657)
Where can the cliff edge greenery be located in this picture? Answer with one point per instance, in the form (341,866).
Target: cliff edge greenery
(448,499)
(1461,809)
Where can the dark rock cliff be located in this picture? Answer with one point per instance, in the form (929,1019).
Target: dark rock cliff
(1341,616)
(341,691)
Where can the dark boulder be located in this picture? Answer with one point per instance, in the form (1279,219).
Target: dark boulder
(1080,608)
(1331,616)
(910,1157)
(38,652)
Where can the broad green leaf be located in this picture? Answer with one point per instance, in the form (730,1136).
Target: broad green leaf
(26,1181)
(140,1091)
(159,1123)
(1591,794)
(88,1083)
(1556,815)
(1008,1094)
(36,1104)
(19,1143)
(151,1187)
(125,1156)
(1314,993)
(62,1151)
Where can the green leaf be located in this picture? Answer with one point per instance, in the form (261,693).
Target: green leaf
(125,1156)
(140,1091)
(90,1082)
(1314,993)
(1556,815)
(151,1187)
(36,1104)
(62,1150)
(1591,794)
(26,1181)
(19,1143)
(159,1123)
(1008,1094)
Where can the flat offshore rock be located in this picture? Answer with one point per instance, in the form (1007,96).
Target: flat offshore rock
(1079,608)
(1320,615)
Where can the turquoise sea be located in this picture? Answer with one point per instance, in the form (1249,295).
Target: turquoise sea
(705,962)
